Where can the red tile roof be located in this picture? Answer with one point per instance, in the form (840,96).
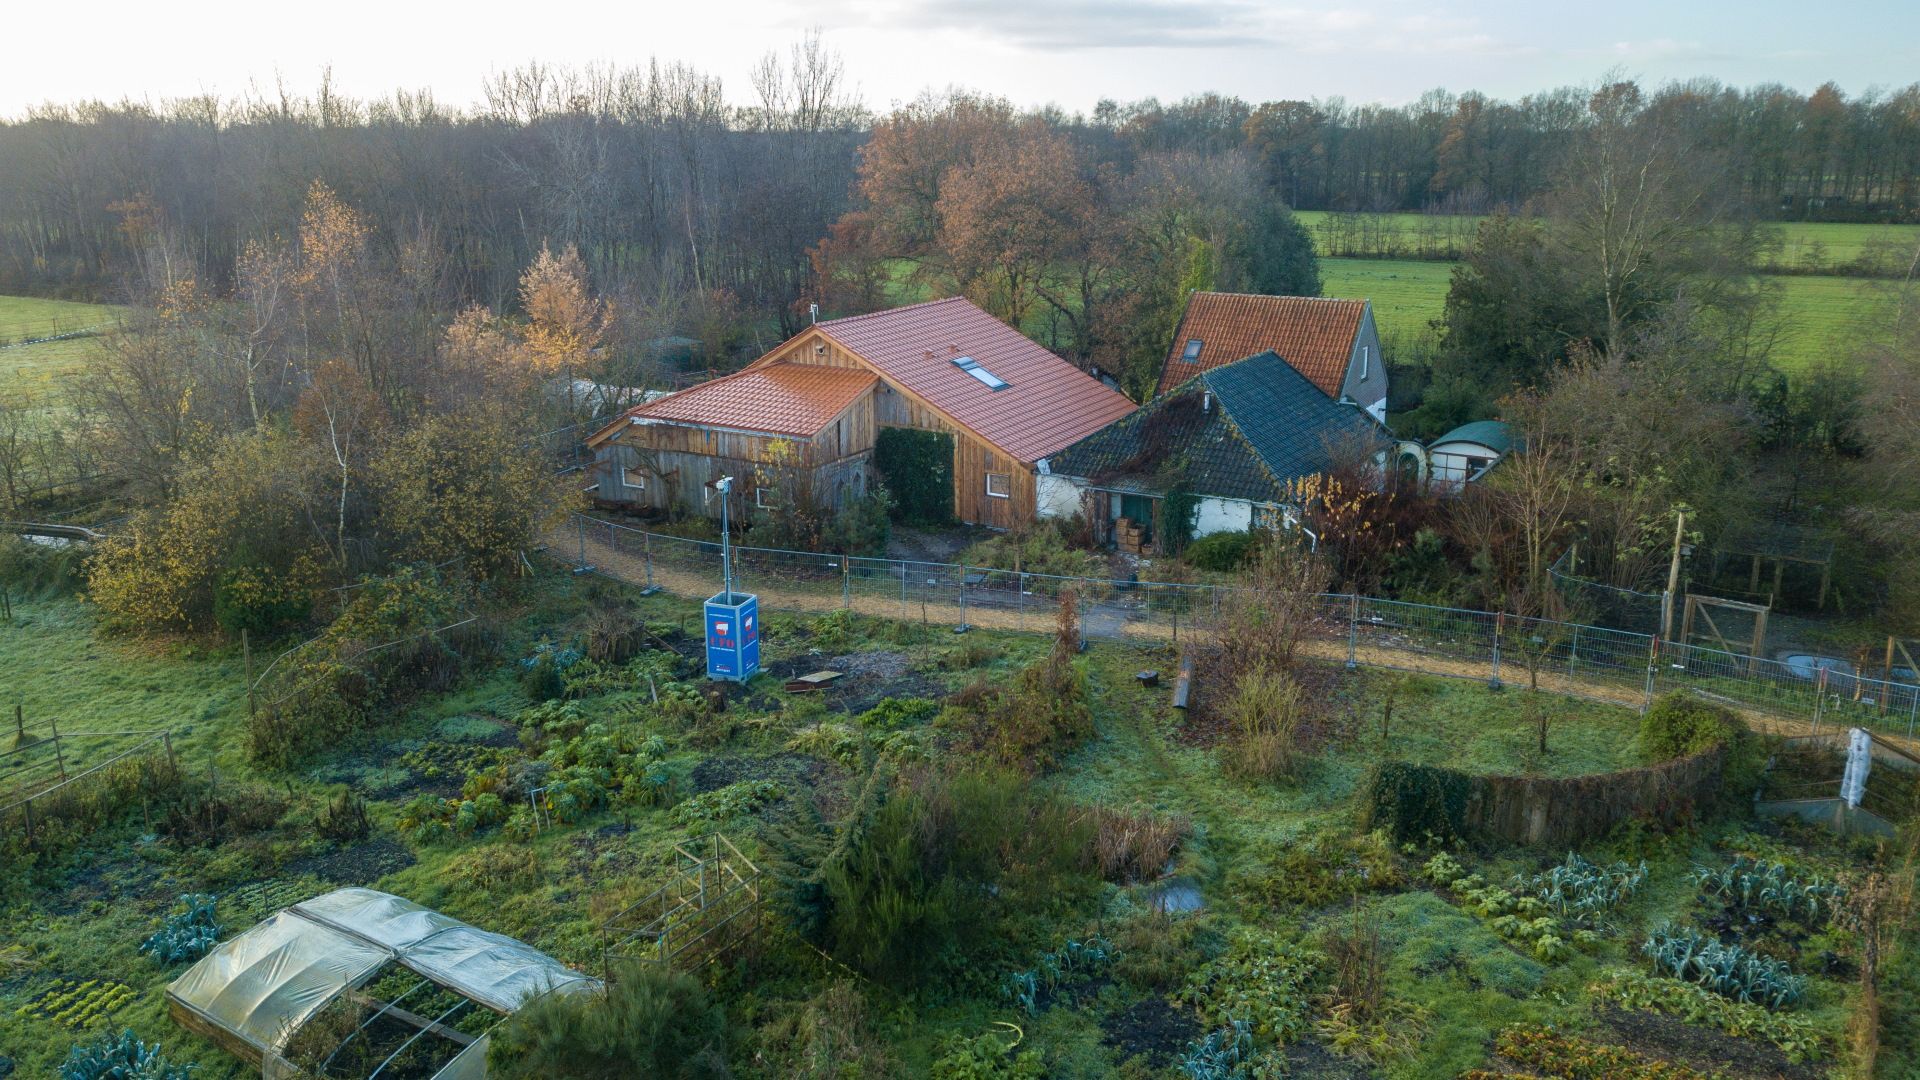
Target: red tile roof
(1313,334)
(1047,404)
(780,399)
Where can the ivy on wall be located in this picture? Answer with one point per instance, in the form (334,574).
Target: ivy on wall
(917,469)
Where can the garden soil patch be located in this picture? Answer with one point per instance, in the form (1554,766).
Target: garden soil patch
(795,772)
(362,864)
(1150,1028)
(1659,1036)
(1312,1061)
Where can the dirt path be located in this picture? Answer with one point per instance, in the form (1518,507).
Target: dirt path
(629,562)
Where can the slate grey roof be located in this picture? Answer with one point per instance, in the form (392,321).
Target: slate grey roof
(1266,424)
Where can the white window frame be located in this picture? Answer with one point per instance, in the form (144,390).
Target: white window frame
(760,495)
(627,474)
(1366,357)
(1004,494)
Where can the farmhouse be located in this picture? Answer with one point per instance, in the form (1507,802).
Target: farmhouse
(1222,447)
(987,404)
(1331,342)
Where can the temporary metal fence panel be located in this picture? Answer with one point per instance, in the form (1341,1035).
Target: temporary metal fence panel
(1599,662)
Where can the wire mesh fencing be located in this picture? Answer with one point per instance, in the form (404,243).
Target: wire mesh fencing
(1578,659)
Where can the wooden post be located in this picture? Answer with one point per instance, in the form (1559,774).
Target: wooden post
(1779,569)
(6,604)
(1759,640)
(1753,579)
(1673,572)
(20,724)
(1886,675)
(59,755)
(246,655)
(846,584)
(1826,576)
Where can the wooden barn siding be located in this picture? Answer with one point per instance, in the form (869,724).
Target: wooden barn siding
(891,406)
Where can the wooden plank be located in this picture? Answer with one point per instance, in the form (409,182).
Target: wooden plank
(1183,685)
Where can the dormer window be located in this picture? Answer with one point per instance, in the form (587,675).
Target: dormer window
(1191,354)
(972,367)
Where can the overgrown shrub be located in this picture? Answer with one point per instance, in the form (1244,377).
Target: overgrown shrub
(209,813)
(1222,551)
(385,645)
(651,1022)
(893,714)
(1325,869)
(1264,712)
(827,1037)
(986,1057)
(1039,548)
(923,870)
(1136,844)
(1679,724)
(344,819)
(120,1057)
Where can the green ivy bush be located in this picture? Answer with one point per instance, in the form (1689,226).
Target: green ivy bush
(916,469)
(1222,551)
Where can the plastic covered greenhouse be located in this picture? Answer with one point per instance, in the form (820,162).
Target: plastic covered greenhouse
(363,984)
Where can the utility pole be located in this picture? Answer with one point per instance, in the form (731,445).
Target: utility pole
(1673,578)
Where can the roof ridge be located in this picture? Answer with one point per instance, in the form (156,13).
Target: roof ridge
(1285,296)
(896,310)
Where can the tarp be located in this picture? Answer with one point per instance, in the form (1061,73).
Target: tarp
(266,982)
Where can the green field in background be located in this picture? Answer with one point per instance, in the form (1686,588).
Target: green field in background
(37,369)
(1804,245)
(1407,294)
(1818,315)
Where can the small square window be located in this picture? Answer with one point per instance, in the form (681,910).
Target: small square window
(1000,485)
(1191,354)
(765,498)
(633,478)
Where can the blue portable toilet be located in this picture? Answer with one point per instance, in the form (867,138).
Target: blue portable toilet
(733,636)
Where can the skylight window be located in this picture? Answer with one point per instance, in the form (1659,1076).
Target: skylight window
(1192,352)
(972,367)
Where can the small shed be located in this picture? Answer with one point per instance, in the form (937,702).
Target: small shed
(1465,454)
(404,990)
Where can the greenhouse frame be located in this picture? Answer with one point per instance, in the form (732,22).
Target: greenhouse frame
(318,980)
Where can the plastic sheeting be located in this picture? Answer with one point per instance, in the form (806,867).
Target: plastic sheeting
(265,983)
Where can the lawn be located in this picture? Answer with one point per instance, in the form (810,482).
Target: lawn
(1455,975)
(37,368)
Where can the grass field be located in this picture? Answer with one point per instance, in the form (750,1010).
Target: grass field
(37,369)
(1803,246)
(1817,313)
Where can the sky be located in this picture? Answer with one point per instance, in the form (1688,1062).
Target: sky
(1069,53)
